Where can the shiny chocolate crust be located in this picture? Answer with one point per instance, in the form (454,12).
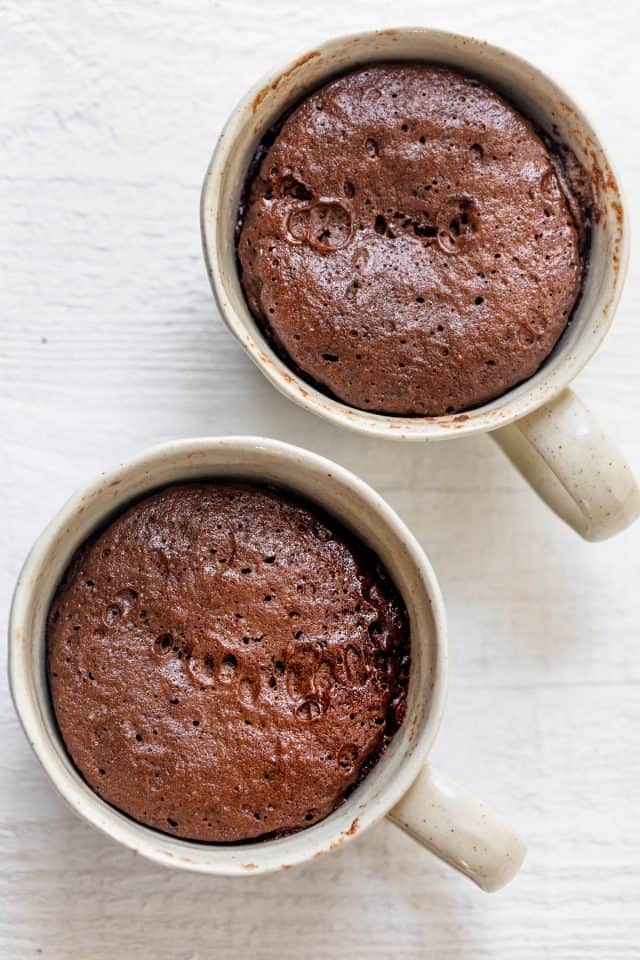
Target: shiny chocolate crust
(226,661)
(409,241)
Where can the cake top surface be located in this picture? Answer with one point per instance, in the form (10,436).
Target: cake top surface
(225,661)
(410,243)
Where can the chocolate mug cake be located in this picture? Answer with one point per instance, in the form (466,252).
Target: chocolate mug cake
(226,661)
(410,243)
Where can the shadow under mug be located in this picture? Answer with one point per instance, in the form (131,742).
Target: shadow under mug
(545,430)
(437,812)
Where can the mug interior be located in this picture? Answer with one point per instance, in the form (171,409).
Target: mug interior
(341,494)
(537,96)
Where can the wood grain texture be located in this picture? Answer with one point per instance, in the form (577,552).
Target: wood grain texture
(109,341)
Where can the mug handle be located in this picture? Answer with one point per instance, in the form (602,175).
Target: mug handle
(573,465)
(460,829)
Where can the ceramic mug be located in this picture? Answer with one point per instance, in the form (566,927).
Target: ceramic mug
(438,813)
(541,425)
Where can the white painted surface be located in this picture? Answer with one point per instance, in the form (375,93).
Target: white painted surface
(109,342)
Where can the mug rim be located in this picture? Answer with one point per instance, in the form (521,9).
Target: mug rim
(518,401)
(419,729)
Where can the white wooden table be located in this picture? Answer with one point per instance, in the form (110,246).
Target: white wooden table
(110,342)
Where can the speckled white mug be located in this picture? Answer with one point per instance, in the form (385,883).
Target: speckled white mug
(434,810)
(541,425)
